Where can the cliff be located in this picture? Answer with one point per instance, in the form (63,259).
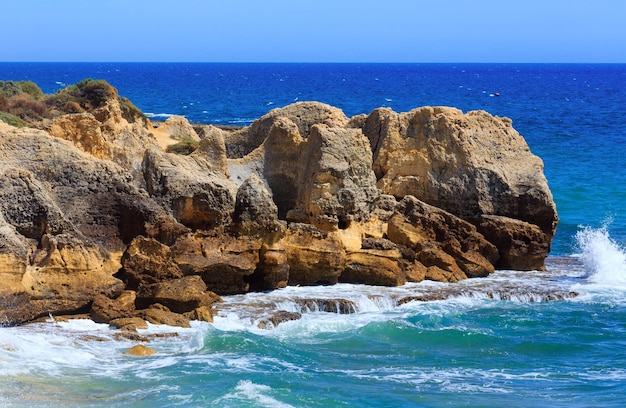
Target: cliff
(97,217)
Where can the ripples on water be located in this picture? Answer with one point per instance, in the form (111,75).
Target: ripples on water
(515,339)
(554,337)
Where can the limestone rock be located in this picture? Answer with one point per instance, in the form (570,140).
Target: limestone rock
(336,182)
(179,295)
(82,129)
(441,239)
(272,272)
(65,218)
(107,131)
(178,128)
(148,261)
(303,114)
(196,196)
(470,164)
(140,351)
(224,262)
(522,246)
(255,212)
(373,267)
(315,257)
(213,148)
(104,309)
(380,262)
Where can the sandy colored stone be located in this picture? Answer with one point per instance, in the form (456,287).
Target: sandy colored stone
(159,314)
(179,295)
(224,262)
(314,256)
(195,194)
(148,261)
(174,129)
(141,351)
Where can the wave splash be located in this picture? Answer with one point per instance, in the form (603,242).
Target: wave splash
(603,258)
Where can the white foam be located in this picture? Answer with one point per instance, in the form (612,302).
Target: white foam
(160,115)
(254,394)
(603,258)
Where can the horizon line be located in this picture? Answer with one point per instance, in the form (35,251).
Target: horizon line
(312,62)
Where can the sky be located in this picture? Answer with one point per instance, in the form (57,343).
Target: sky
(313,30)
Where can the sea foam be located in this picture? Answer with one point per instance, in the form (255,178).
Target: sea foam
(603,258)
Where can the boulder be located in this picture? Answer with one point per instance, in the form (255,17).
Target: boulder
(148,261)
(336,184)
(104,309)
(202,314)
(224,262)
(178,295)
(441,239)
(159,314)
(140,351)
(255,212)
(130,324)
(187,186)
(213,148)
(522,246)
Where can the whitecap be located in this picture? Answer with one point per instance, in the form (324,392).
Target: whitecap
(159,115)
(254,394)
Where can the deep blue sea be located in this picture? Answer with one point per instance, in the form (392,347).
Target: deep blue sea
(495,341)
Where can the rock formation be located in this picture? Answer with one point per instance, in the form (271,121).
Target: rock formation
(96,217)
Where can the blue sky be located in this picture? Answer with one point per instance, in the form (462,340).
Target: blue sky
(314,31)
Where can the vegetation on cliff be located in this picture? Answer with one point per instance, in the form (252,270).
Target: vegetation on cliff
(23,103)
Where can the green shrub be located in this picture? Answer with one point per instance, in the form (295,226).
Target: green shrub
(130,112)
(31,88)
(185,147)
(12,119)
(9,88)
(88,93)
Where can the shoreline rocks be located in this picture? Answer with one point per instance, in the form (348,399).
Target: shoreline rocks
(96,216)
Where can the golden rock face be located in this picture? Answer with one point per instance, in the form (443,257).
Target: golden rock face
(92,208)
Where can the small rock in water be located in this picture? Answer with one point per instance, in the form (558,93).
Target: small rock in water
(141,351)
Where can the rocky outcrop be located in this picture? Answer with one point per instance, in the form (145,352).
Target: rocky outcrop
(107,222)
(470,164)
(445,244)
(303,115)
(189,189)
(177,128)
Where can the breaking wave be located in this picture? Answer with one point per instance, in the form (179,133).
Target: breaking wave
(604,259)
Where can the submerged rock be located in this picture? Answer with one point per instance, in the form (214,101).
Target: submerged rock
(141,351)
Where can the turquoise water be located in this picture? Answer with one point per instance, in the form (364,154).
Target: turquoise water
(554,338)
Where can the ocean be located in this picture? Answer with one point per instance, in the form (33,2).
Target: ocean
(555,338)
